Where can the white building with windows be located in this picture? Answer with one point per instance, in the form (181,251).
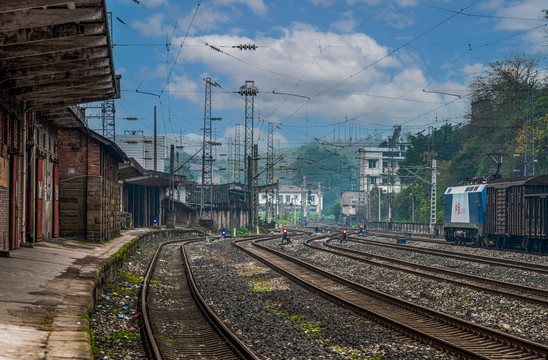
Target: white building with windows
(289,199)
(379,167)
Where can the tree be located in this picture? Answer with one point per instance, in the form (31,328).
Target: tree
(500,104)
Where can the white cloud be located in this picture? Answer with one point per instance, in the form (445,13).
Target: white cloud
(401,3)
(257,6)
(472,69)
(153,26)
(338,76)
(347,24)
(395,18)
(324,3)
(530,9)
(154,3)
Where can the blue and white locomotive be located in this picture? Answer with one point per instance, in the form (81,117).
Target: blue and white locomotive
(464,214)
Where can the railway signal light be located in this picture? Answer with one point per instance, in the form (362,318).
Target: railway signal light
(285,238)
(344,236)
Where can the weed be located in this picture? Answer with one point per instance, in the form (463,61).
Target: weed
(124,335)
(130,277)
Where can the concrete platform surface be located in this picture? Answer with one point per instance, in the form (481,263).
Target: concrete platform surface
(45,291)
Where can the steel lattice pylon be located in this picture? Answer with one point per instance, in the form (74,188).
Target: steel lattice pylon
(108,113)
(433,193)
(206,194)
(249,91)
(237,155)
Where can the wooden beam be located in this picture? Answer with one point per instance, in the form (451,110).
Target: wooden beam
(72,93)
(54,78)
(53,68)
(71,83)
(54,58)
(68,102)
(15,5)
(24,36)
(47,17)
(51,46)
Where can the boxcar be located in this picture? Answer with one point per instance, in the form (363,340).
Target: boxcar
(516,213)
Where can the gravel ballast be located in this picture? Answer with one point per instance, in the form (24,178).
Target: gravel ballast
(278,319)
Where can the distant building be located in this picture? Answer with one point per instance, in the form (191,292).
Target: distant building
(289,200)
(379,167)
(141,148)
(350,201)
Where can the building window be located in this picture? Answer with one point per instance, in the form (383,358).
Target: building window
(288,199)
(312,198)
(373,180)
(372,164)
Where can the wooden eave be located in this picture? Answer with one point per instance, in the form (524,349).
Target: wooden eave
(56,53)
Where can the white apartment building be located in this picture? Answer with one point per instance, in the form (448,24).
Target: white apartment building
(379,166)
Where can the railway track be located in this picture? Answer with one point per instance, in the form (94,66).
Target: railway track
(442,241)
(524,293)
(177,322)
(515,264)
(459,337)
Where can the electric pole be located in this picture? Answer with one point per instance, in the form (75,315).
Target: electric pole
(206,193)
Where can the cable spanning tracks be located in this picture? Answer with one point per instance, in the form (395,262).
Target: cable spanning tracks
(524,293)
(177,322)
(441,330)
(543,269)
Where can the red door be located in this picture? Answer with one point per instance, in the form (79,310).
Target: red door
(14,193)
(39,200)
(55,201)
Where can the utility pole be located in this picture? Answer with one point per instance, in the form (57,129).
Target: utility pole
(255,186)
(155,142)
(304,202)
(206,193)
(249,91)
(171,171)
(433,197)
(270,173)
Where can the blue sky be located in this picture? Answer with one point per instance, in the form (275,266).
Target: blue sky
(358,66)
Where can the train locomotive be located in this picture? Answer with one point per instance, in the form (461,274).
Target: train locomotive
(504,212)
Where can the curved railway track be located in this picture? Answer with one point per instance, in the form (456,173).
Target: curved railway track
(177,322)
(524,293)
(543,269)
(459,337)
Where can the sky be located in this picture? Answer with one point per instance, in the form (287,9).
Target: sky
(325,70)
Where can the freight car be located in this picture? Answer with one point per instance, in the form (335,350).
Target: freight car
(510,212)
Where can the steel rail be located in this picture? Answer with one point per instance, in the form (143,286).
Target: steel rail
(239,349)
(496,286)
(487,334)
(543,269)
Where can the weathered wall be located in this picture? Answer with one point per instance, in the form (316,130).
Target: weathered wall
(89,189)
(11,145)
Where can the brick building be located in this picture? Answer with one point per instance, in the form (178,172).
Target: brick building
(89,192)
(53,55)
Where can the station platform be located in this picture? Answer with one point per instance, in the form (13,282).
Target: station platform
(45,294)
